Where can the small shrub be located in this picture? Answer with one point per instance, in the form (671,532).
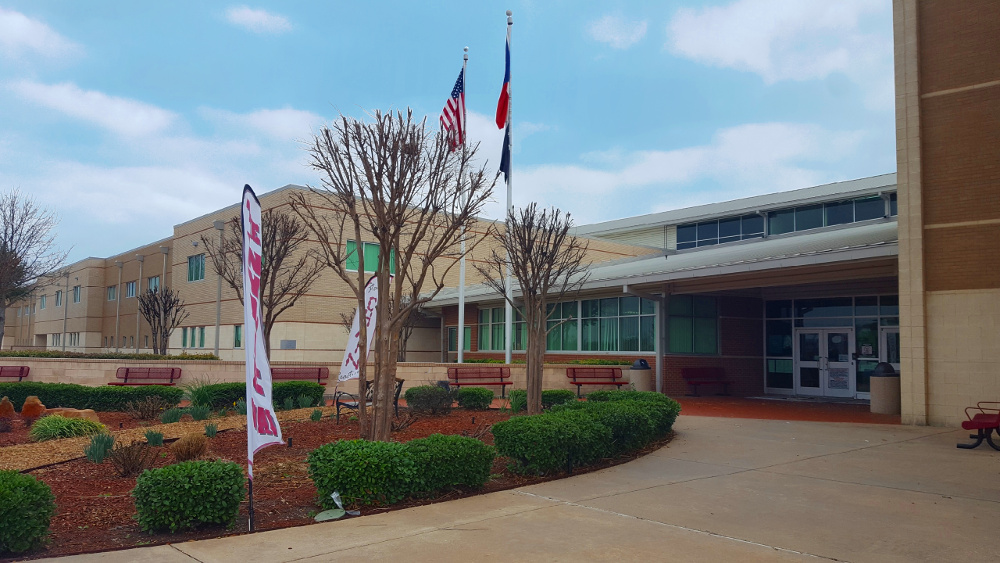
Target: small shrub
(631,425)
(293,389)
(662,409)
(55,427)
(316,415)
(551,397)
(200,412)
(172,415)
(443,462)
(186,495)
(98,448)
(147,408)
(289,404)
(26,507)
(199,392)
(365,473)
(132,459)
(428,399)
(154,438)
(474,398)
(190,446)
(546,443)
(211,430)
(305,401)
(601,362)
(518,400)
(241,407)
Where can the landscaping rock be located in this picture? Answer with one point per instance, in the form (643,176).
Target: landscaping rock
(6,408)
(33,409)
(88,414)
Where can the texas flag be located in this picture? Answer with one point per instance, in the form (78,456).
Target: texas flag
(505,92)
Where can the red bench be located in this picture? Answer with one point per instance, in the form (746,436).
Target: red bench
(595,376)
(20,372)
(985,422)
(301,373)
(480,376)
(146,376)
(705,376)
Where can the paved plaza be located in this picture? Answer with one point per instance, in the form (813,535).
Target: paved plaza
(726,489)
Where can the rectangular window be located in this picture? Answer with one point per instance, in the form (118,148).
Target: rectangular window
(809,217)
(196,267)
(753,226)
(687,236)
(781,221)
(184,337)
(201,337)
(130,289)
(371,253)
(146,343)
(618,324)
(729,229)
(453,339)
(562,322)
(59,298)
(237,336)
(693,325)
(839,213)
(76,294)
(41,302)
(869,208)
(112,292)
(153,283)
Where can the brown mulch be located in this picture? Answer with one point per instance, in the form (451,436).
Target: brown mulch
(95,508)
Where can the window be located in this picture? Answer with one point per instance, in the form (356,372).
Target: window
(146,344)
(153,283)
(58,298)
(184,337)
(76,294)
(73,339)
(728,229)
(371,251)
(563,336)
(491,329)
(618,324)
(57,339)
(201,337)
(112,292)
(41,302)
(131,342)
(105,341)
(693,325)
(453,339)
(238,336)
(130,289)
(196,267)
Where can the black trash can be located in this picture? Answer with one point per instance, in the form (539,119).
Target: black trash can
(641,376)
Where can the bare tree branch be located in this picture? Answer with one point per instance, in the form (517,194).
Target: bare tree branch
(164,310)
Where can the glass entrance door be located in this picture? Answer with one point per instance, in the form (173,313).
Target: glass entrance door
(889,347)
(824,362)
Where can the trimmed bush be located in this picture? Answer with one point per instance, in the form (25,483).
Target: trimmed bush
(474,398)
(631,422)
(551,397)
(601,362)
(294,389)
(547,443)
(662,409)
(428,399)
(365,473)
(55,427)
(189,446)
(70,395)
(116,397)
(186,495)
(482,361)
(102,355)
(26,507)
(99,447)
(443,462)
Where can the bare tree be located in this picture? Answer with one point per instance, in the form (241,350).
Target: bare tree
(164,311)
(393,180)
(416,318)
(27,248)
(548,264)
(287,270)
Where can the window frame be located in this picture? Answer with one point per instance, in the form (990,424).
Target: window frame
(130,288)
(198,263)
(77,294)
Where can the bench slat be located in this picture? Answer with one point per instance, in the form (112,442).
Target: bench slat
(478,376)
(595,376)
(20,372)
(128,375)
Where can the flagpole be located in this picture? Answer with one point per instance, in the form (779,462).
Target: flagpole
(509,310)
(461,267)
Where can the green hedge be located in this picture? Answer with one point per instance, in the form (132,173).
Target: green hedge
(631,423)
(71,395)
(429,399)
(601,362)
(224,395)
(103,355)
(550,397)
(551,442)
(187,494)
(662,409)
(293,389)
(363,472)
(474,398)
(26,507)
(443,462)
(482,361)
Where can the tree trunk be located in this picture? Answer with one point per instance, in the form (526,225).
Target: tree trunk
(3,319)
(534,363)
(267,341)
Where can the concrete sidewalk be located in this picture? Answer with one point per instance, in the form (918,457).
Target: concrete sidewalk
(724,489)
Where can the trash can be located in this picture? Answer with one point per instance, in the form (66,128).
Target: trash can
(641,376)
(885,389)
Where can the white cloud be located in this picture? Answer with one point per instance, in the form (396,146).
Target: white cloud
(617,32)
(745,160)
(791,40)
(285,124)
(120,115)
(20,34)
(258,21)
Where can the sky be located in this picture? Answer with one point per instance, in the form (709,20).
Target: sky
(125,118)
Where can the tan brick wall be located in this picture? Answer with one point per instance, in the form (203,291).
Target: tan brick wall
(957,41)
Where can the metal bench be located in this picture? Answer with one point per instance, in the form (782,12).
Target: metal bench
(480,376)
(301,373)
(986,421)
(595,376)
(705,376)
(146,376)
(20,372)
(343,399)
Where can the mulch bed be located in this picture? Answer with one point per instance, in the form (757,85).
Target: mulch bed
(94,507)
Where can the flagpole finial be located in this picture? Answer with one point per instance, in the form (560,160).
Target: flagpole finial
(466,55)
(510,20)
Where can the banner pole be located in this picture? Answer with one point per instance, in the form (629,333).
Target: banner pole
(508,308)
(250,485)
(461,267)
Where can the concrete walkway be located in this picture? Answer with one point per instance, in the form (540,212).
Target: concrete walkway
(723,490)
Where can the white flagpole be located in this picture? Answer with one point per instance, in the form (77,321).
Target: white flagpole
(461,266)
(509,310)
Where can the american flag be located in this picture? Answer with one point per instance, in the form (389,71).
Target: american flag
(453,114)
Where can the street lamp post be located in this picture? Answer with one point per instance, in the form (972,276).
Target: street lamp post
(138,289)
(118,301)
(62,339)
(219,226)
